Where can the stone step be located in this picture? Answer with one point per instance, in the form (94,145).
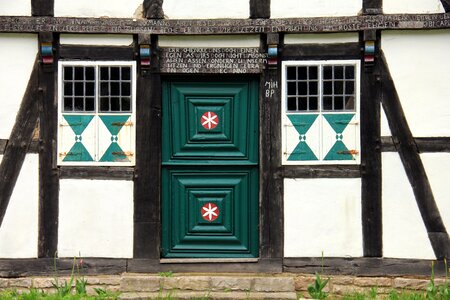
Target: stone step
(182,295)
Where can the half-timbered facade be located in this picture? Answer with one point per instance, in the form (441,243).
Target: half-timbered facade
(252,136)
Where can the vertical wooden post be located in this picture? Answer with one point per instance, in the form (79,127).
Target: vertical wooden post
(259,9)
(147,181)
(48,170)
(371,153)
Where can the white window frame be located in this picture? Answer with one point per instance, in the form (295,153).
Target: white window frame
(284,111)
(96,112)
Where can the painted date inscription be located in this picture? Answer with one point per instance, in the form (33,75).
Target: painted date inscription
(211,60)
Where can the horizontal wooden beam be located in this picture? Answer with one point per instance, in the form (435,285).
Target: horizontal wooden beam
(33,148)
(424,144)
(96,52)
(223,26)
(92,172)
(363,266)
(325,171)
(319,51)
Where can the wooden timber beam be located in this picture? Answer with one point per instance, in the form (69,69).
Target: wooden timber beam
(409,155)
(19,141)
(153,9)
(224,26)
(259,9)
(42,7)
(446,5)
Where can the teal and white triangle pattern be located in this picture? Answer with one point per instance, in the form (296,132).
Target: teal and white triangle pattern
(77,138)
(340,140)
(115,139)
(302,143)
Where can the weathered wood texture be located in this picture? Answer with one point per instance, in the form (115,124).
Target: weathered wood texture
(371,156)
(223,26)
(42,7)
(48,170)
(259,9)
(446,5)
(319,51)
(424,144)
(147,182)
(96,52)
(19,141)
(3,143)
(33,148)
(364,266)
(372,7)
(153,9)
(92,172)
(412,163)
(46,266)
(325,171)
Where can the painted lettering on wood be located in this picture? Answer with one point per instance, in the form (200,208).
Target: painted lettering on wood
(211,60)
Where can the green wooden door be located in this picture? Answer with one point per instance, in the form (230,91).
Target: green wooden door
(210,169)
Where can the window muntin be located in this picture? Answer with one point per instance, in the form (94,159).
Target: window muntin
(89,132)
(329,132)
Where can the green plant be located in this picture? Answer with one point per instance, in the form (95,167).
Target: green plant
(166,274)
(316,289)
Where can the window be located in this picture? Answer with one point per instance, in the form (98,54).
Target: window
(96,113)
(320,112)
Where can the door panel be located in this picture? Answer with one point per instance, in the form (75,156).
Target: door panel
(210,169)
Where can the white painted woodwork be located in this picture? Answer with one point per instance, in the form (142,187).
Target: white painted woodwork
(412,6)
(96,39)
(324,38)
(17,56)
(419,65)
(322,215)
(206,9)
(437,167)
(19,230)
(314,8)
(404,233)
(209,41)
(95,218)
(97,8)
(15,8)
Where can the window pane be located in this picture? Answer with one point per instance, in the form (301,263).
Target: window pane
(313,88)
(338,87)
(104,73)
(303,88)
(126,104)
(328,88)
(349,72)
(327,72)
(115,73)
(104,89)
(68,73)
(104,104)
(292,88)
(349,87)
(68,106)
(126,90)
(349,103)
(126,73)
(338,103)
(68,88)
(90,104)
(302,103)
(115,104)
(79,73)
(313,72)
(90,73)
(313,103)
(292,103)
(90,89)
(115,89)
(338,72)
(302,73)
(291,73)
(79,89)
(79,104)
(327,103)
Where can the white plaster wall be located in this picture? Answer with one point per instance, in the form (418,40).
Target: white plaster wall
(419,65)
(96,8)
(15,8)
(206,9)
(412,6)
(325,38)
(404,233)
(385,130)
(17,55)
(322,215)
(19,230)
(314,8)
(437,167)
(96,39)
(95,218)
(210,41)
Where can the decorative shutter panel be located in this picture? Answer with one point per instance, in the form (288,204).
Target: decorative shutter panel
(77,139)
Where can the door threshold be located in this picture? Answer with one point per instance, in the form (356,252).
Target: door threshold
(206,260)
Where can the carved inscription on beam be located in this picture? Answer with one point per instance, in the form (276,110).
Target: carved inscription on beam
(211,60)
(223,26)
